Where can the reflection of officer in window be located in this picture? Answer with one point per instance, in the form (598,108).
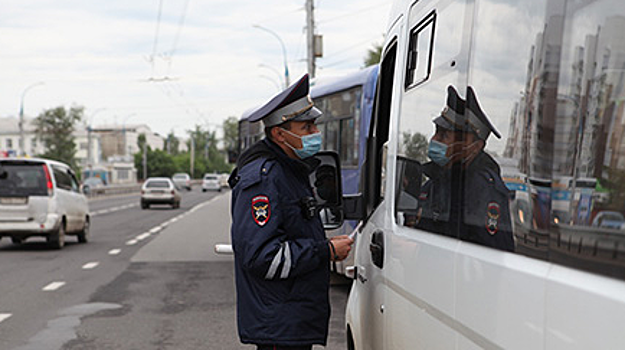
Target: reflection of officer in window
(477,211)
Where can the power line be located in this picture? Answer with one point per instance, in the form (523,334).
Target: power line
(158,25)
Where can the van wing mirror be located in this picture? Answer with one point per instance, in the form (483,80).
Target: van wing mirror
(409,176)
(325,180)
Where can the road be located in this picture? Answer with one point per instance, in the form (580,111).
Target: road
(147,279)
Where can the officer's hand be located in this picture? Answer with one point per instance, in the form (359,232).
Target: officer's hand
(342,247)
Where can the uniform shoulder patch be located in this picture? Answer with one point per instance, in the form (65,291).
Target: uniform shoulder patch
(261,210)
(493,212)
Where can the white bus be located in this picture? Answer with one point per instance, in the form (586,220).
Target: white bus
(549,74)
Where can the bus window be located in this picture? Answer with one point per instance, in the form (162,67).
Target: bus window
(349,145)
(332,135)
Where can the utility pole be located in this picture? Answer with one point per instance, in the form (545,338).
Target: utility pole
(145,159)
(192,155)
(315,42)
(21,145)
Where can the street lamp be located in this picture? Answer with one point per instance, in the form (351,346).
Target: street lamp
(273,70)
(286,67)
(21,122)
(89,130)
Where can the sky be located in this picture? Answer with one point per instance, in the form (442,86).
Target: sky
(171,64)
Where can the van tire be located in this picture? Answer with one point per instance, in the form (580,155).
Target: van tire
(83,235)
(17,240)
(57,239)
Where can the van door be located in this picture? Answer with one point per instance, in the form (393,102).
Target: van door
(66,200)
(420,270)
(367,298)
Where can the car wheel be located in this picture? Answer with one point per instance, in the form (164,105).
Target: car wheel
(203,190)
(145,205)
(57,239)
(83,236)
(16,240)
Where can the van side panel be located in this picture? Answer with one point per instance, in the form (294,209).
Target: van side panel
(421,274)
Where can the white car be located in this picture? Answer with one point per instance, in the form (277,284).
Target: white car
(159,190)
(182,180)
(211,182)
(41,197)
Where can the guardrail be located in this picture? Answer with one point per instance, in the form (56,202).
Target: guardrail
(122,189)
(113,190)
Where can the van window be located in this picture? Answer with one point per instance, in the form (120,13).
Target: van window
(427,195)
(26,179)
(63,179)
(419,60)
(379,132)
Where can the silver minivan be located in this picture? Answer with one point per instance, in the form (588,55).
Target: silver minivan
(41,197)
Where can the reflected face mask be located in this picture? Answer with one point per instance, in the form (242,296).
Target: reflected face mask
(437,151)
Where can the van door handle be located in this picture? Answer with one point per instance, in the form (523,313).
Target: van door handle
(376,247)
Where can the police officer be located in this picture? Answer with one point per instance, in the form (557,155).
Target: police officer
(282,256)
(465,195)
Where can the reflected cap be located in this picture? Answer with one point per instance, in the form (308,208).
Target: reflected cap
(465,115)
(292,104)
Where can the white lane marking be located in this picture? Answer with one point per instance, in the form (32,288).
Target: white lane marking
(143,236)
(114,251)
(132,242)
(90,265)
(53,286)
(4,316)
(156,229)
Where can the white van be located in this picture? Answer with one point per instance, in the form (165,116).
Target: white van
(550,76)
(41,197)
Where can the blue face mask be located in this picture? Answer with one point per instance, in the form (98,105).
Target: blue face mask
(437,151)
(311,144)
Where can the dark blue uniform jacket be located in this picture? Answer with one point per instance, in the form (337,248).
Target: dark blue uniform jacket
(479,209)
(281,257)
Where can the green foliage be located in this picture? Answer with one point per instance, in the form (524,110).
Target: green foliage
(207,158)
(415,145)
(159,163)
(615,186)
(373,55)
(55,127)
(231,133)
(172,144)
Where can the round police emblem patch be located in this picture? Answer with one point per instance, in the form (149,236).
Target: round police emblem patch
(261,211)
(493,212)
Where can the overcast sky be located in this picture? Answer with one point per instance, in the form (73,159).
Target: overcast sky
(202,62)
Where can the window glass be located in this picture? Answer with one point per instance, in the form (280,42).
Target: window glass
(427,195)
(157,184)
(23,180)
(558,104)
(349,143)
(420,53)
(62,178)
(332,135)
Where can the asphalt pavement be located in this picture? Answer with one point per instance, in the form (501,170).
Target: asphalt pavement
(176,292)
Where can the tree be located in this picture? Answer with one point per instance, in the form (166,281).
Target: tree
(55,127)
(231,138)
(415,145)
(172,143)
(231,133)
(159,162)
(373,55)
